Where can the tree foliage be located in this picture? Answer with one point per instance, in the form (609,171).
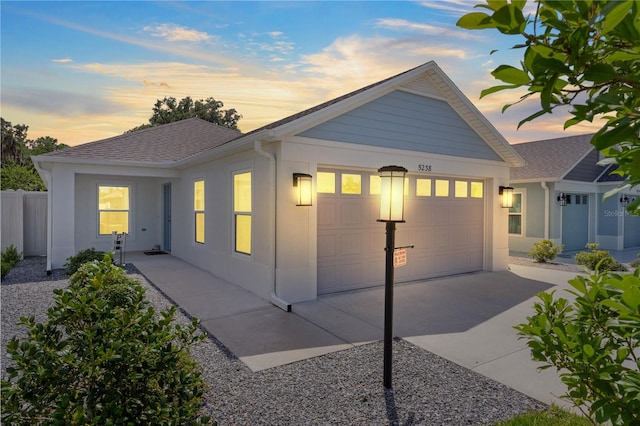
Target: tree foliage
(579,53)
(17,170)
(169,110)
(594,342)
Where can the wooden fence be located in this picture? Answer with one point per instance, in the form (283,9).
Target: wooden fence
(24,221)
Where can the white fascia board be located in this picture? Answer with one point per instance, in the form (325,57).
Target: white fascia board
(88,166)
(536,180)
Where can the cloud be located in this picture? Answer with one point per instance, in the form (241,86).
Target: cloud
(57,102)
(425,29)
(457,7)
(174,32)
(62,60)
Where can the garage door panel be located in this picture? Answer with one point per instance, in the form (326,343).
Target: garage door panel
(447,234)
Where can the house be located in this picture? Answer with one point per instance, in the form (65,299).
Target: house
(226,201)
(559,195)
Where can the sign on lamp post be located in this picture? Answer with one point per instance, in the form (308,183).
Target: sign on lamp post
(391,212)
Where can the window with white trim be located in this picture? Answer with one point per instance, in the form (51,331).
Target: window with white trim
(113,209)
(242,211)
(198,210)
(515,215)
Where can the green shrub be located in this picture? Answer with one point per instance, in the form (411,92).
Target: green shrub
(635,263)
(9,258)
(598,260)
(594,342)
(104,356)
(544,251)
(82,257)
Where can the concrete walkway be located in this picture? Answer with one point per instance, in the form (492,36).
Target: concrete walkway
(467,319)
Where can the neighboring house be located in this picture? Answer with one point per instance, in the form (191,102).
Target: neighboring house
(225,201)
(558,195)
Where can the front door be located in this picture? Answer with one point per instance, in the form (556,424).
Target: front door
(575,222)
(166,216)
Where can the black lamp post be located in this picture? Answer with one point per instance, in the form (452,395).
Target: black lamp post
(391,212)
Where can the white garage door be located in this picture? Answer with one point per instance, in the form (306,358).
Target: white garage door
(444,221)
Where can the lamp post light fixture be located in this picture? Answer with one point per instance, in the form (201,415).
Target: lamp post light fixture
(391,212)
(302,181)
(506,196)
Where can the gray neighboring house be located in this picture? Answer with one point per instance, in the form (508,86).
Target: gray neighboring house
(558,195)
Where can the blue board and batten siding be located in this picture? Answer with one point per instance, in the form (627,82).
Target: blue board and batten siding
(406,121)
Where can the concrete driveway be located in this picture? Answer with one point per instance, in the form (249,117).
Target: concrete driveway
(467,319)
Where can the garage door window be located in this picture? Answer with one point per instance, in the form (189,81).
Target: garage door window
(242,212)
(326,182)
(423,187)
(477,190)
(461,189)
(113,209)
(351,183)
(442,188)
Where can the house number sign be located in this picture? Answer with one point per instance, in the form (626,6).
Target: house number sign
(424,167)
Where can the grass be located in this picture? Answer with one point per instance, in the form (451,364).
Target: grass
(554,416)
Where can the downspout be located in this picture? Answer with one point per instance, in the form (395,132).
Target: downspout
(275,299)
(547,213)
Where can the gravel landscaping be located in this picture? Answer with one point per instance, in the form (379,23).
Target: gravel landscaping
(339,388)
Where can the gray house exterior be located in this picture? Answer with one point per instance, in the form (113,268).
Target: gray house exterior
(568,167)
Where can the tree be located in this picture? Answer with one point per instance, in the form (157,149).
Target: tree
(13,142)
(169,110)
(581,54)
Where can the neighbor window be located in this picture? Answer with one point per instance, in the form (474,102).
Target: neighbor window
(326,182)
(351,183)
(515,215)
(242,212)
(113,209)
(198,208)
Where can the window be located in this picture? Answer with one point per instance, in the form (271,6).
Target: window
(351,183)
(461,189)
(198,208)
(515,215)
(242,212)
(326,182)
(374,185)
(442,188)
(113,209)
(423,187)
(477,190)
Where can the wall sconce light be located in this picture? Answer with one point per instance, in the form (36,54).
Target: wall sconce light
(624,200)
(302,181)
(563,199)
(506,196)
(392,193)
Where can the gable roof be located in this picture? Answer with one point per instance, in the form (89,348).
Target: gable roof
(168,143)
(551,159)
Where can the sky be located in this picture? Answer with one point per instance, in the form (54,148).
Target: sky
(84,71)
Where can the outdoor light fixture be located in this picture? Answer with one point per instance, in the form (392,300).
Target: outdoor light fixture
(391,211)
(625,200)
(562,199)
(506,196)
(302,181)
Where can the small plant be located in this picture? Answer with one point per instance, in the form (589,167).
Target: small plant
(9,258)
(104,356)
(553,416)
(598,260)
(594,342)
(544,251)
(636,262)
(82,257)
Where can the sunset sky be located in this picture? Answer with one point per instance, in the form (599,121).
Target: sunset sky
(83,71)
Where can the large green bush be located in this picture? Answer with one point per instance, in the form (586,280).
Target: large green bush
(73,263)
(594,342)
(104,356)
(545,251)
(598,260)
